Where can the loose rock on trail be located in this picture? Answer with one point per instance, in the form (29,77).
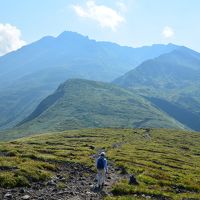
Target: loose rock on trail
(73,181)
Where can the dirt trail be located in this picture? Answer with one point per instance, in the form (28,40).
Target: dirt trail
(147,134)
(73,181)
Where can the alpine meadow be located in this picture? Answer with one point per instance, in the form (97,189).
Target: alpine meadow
(99,100)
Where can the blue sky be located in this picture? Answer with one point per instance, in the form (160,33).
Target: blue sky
(127,22)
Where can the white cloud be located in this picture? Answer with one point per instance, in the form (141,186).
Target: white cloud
(168,32)
(105,16)
(10,38)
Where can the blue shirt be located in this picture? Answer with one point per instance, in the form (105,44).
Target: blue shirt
(105,163)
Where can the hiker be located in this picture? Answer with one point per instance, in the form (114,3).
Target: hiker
(102,169)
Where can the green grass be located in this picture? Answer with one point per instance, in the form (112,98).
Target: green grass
(78,104)
(173,81)
(167,165)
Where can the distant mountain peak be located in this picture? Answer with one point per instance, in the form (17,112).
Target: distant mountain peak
(175,69)
(71,35)
(171,44)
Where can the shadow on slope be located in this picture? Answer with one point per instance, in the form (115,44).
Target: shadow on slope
(180,114)
(44,105)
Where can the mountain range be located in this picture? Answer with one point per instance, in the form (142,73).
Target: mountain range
(152,86)
(33,72)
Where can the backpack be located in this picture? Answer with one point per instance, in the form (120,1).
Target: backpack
(100,163)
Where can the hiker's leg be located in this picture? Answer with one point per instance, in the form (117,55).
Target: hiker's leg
(99,178)
(103,177)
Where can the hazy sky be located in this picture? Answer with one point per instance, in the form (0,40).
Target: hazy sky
(127,22)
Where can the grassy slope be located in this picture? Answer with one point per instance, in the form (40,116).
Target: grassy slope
(89,104)
(166,164)
(184,103)
(173,77)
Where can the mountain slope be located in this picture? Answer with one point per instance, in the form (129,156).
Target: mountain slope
(31,73)
(166,164)
(174,70)
(171,82)
(80,103)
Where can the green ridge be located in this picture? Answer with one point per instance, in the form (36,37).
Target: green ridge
(89,104)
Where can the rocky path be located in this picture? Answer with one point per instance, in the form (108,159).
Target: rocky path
(73,181)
